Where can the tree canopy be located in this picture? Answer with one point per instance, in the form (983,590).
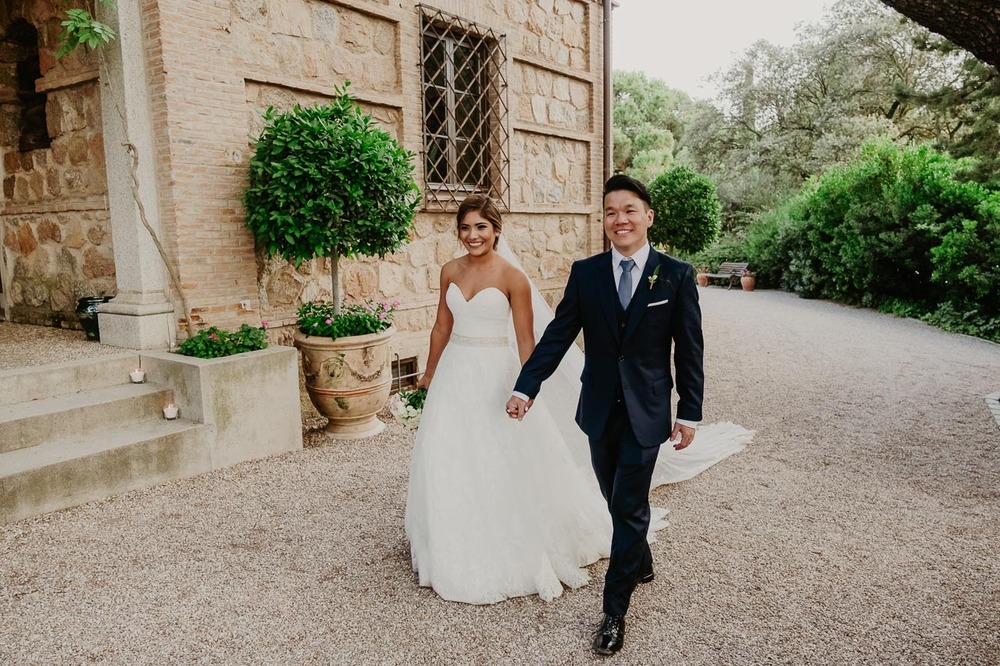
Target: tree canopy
(861,163)
(786,114)
(647,125)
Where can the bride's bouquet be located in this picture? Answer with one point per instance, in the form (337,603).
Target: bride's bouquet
(407,406)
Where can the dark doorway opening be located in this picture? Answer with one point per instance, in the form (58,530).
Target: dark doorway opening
(34,125)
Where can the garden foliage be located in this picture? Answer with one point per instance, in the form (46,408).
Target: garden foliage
(215,342)
(896,229)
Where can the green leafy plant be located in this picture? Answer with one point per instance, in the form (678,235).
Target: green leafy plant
(969,322)
(687,211)
(215,342)
(897,228)
(326,181)
(364,318)
(81,28)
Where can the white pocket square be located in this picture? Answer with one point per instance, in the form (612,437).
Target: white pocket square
(657,303)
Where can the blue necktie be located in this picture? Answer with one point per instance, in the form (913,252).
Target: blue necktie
(625,283)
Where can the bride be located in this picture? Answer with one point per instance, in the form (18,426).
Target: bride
(498,508)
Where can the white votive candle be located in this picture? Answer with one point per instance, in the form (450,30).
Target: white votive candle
(170,412)
(138,376)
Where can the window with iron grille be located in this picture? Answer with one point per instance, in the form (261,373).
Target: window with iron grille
(465,110)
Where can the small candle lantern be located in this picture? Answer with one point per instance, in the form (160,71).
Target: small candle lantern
(170,412)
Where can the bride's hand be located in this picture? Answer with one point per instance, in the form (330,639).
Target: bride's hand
(424,382)
(517,408)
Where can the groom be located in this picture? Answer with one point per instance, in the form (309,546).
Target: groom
(632,304)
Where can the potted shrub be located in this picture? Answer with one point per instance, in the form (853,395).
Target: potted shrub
(327,181)
(701,275)
(688,212)
(748,279)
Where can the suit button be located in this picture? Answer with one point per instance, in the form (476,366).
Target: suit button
(621,325)
(621,359)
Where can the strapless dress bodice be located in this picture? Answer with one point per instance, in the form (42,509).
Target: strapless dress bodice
(483,318)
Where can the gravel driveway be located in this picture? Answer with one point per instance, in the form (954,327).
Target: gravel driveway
(860,527)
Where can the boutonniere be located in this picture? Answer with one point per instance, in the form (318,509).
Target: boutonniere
(654,277)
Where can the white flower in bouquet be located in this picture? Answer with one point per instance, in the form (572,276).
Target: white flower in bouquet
(407,407)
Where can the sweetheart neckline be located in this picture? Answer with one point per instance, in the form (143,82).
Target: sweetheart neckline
(469,300)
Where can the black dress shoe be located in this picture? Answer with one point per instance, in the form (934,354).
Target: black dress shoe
(610,636)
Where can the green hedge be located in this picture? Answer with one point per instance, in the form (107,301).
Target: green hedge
(897,229)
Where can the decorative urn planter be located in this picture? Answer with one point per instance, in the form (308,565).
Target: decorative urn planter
(702,279)
(348,380)
(748,282)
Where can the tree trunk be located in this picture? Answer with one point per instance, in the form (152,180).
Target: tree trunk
(972,24)
(335,281)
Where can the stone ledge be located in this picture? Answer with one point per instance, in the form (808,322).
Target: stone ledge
(48,85)
(580,75)
(993,403)
(99,203)
(553,130)
(387,12)
(388,100)
(250,401)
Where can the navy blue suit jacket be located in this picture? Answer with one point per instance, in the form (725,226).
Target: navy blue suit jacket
(634,354)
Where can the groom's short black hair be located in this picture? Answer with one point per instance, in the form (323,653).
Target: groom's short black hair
(620,181)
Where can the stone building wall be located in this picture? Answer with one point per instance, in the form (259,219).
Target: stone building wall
(54,222)
(298,53)
(213,66)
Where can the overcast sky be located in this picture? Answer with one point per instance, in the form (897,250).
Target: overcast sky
(681,42)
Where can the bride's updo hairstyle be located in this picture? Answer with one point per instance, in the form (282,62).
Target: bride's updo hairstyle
(482,204)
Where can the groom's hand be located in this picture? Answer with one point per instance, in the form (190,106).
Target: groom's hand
(517,408)
(686,434)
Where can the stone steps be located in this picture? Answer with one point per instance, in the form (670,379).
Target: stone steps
(38,382)
(71,433)
(76,432)
(28,424)
(68,472)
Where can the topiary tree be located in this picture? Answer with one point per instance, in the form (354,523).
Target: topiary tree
(327,181)
(687,210)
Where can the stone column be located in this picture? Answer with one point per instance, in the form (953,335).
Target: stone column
(141,315)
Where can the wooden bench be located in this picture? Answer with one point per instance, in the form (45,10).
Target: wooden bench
(729,270)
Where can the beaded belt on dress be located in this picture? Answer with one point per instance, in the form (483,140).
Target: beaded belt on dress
(479,342)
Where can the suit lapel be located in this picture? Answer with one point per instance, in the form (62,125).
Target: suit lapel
(637,307)
(607,295)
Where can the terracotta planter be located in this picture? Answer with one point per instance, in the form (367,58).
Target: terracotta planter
(348,380)
(702,279)
(748,282)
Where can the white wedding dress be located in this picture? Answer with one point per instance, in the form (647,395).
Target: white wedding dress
(499,508)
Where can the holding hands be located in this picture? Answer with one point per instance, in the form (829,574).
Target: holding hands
(517,407)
